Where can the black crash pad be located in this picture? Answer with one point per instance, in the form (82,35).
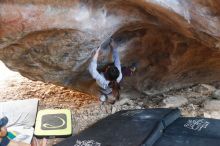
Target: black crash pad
(191,132)
(126,128)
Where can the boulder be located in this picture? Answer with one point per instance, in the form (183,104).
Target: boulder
(216,94)
(212,114)
(175,43)
(212,105)
(174,101)
(212,109)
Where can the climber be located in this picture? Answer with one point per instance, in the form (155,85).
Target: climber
(110,77)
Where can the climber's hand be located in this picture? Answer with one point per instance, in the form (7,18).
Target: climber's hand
(112,44)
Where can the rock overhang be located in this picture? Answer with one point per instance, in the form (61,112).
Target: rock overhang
(175,43)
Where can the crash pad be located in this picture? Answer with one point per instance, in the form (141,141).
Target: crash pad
(126,128)
(191,132)
(53,122)
(149,127)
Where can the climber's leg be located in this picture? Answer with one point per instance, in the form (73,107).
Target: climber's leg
(128,71)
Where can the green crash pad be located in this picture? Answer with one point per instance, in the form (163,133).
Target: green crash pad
(53,122)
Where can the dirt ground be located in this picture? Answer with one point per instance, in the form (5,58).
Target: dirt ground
(87,109)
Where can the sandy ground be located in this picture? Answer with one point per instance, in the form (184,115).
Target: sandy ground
(87,109)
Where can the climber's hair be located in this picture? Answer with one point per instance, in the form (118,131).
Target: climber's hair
(112,73)
(115,89)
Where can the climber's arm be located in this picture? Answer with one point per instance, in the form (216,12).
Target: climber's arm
(101,81)
(117,61)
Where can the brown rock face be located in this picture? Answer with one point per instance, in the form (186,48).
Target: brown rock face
(175,43)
